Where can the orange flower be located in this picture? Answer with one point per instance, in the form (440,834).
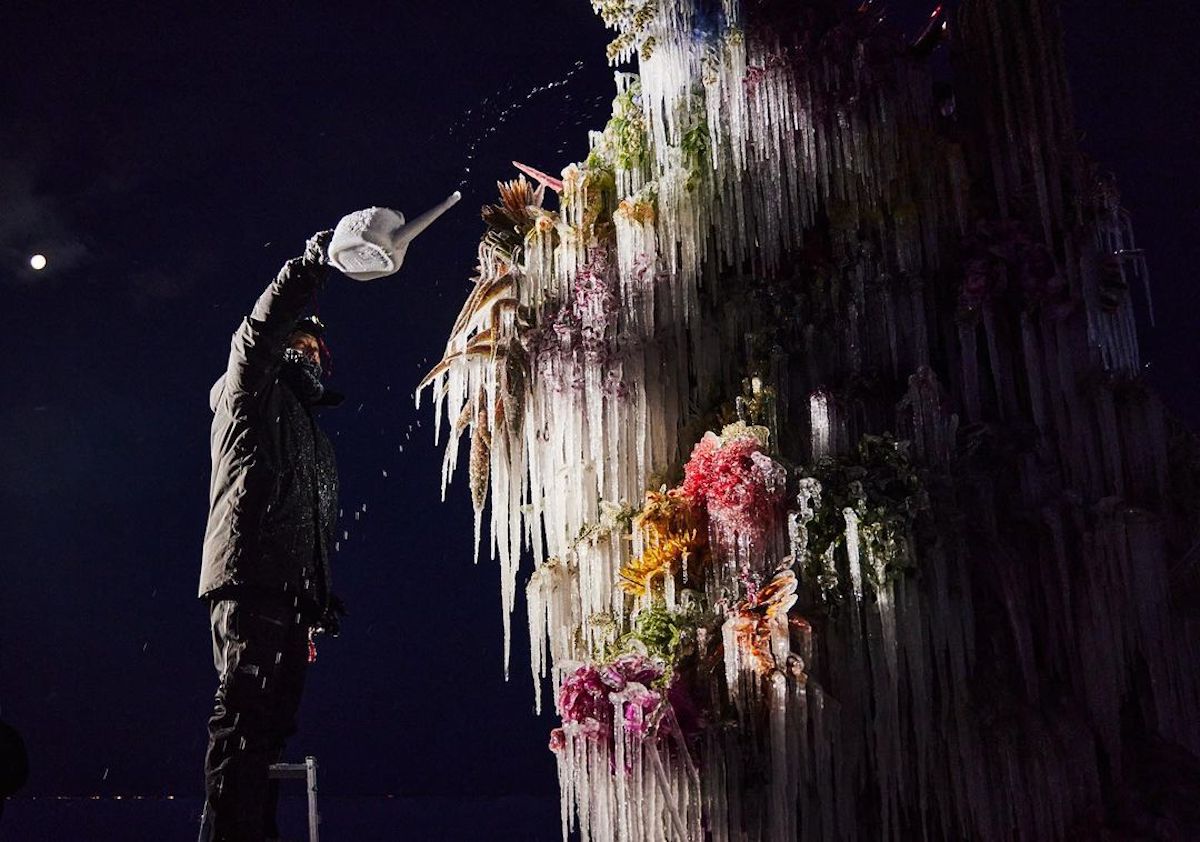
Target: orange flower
(672,532)
(755,615)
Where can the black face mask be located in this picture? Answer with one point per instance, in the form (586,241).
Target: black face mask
(303,376)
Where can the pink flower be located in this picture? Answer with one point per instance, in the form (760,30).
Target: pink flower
(640,706)
(558,740)
(585,701)
(741,486)
(698,472)
(636,668)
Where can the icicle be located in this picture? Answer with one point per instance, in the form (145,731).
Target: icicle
(822,432)
(853,549)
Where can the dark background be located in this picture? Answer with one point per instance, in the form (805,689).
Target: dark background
(167,161)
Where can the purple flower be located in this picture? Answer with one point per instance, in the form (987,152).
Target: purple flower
(640,705)
(587,323)
(638,668)
(585,699)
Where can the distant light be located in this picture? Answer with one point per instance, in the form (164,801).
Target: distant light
(38,262)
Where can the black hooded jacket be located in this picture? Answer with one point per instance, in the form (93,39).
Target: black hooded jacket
(273,494)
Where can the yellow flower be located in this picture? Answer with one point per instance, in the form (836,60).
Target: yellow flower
(672,532)
(635,211)
(660,559)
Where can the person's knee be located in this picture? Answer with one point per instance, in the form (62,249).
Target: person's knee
(246,706)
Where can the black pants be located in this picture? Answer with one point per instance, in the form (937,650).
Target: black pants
(260,649)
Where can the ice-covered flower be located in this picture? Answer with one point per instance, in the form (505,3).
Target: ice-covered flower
(579,331)
(660,559)
(631,667)
(673,534)
(594,304)
(740,485)
(754,617)
(586,699)
(640,706)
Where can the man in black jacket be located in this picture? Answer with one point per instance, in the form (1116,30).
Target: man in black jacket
(265,574)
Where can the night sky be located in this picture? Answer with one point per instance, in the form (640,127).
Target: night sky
(167,163)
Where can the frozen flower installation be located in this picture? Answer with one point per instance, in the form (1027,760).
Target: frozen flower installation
(816,404)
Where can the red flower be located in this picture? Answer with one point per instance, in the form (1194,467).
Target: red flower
(739,484)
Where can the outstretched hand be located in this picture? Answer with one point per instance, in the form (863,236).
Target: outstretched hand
(316,250)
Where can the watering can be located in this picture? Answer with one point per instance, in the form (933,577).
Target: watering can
(371,243)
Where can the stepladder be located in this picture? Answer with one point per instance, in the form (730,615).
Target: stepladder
(306,771)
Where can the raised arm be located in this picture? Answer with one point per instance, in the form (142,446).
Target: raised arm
(258,344)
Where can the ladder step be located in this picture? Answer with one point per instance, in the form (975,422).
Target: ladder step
(288,770)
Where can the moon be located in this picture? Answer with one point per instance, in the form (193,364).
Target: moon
(38,262)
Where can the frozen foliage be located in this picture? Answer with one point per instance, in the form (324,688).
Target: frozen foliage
(816,405)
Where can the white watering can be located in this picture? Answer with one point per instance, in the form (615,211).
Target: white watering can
(371,243)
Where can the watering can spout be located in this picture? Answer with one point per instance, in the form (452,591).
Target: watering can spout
(371,243)
(405,233)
